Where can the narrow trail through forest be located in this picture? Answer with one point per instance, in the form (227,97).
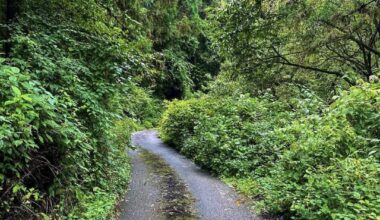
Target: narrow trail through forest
(166,185)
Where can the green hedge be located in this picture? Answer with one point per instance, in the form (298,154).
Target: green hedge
(68,104)
(332,169)
(228,136)
(317,166)
(46,154)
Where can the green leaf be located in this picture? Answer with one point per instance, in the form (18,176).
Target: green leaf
(27,98)
(45,217)
(16,91)
(49,138)
(10,102)
(16,188)
(18,142)
(41,139)
(15,70)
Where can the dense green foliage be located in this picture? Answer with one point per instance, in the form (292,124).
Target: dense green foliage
(77,78)
(318,167)
(292,119)
(229,136)
(281,99)
(331,169)
(180,51)
(325,44)
(58,154)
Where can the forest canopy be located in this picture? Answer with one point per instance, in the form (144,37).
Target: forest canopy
(321,44)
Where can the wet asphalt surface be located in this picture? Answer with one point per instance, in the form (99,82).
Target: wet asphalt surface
(214,200)
(142,200)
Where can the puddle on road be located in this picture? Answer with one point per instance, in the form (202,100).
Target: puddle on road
(176,201)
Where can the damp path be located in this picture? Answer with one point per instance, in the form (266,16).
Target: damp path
(210,197)
(176,202)
(142,199)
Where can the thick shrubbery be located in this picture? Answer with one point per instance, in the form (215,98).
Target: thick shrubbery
(180,118)
(140,107)
(48,157)
(303,166)
(74,86)
(229,136)
(37,142)
(68,105)
(331,169)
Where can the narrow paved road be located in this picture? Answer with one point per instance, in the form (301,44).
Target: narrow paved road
(206,197)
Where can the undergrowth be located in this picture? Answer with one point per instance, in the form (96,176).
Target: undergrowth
(298,164)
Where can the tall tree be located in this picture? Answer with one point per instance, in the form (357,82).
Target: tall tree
(277,42)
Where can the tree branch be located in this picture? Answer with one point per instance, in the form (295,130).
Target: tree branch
(351,37)
(288,63)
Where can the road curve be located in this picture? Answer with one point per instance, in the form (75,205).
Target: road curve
(214,200)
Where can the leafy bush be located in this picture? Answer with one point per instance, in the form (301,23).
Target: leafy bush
(140,105)
(66,112)
(301,163)
(47,154)
(81,87)
(37,143)
(331,170)
(228,136)
(180,118)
